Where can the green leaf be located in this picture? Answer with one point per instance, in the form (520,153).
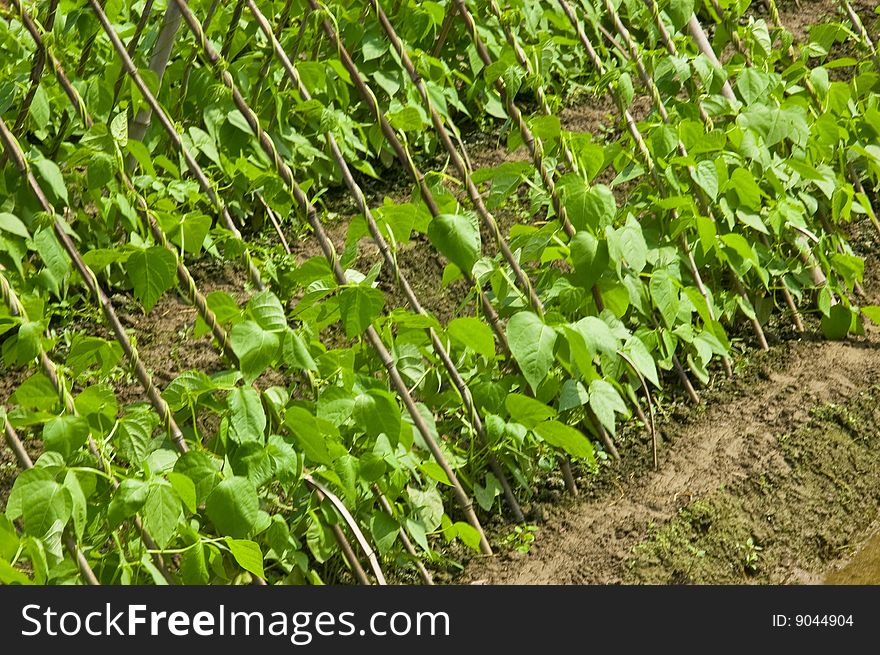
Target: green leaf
(53,255)
(589,257)
(151,272)
(86,351)
(680,12)
(531,343)
(628,244)
(377,412)
(320,539)
(140,152)
(237,119)
(247,418)
(127,501)
(287,462)
(527,411)
(473,334)
(468,534)
(100,171)
(385,531)
(605,401)
(373,46)
(65,434)
(29,342)
(487,494)
(587,207)
(267,311)
(12,576)
(202,469)
(36,392)
(185,489)
(872,312)
(850,267)
(573,394)
(224,307)
(567,438)
(51,175)
(79,508)
(407,119)
(742,182)
(11,223)
(752,83)
(100,258)
(706,175)
(836,325)
(98,404)
(636,350)
(665,294)
(40,501)
(428,505)
(9,539)
(251,459)
(134,435)
(193,568)
(597,335)
(162,512)
(435,472)
(119,129)
(457,237)
(335,404)
(247,554)
(296,353)
(774,124)
(39,109)
(417,532)
(255,348)
(359,306)
(312,442)
(625,89)
(234,507)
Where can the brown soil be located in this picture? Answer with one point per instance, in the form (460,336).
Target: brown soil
(798,18)
(715,467)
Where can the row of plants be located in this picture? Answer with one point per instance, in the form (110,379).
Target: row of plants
(350,432)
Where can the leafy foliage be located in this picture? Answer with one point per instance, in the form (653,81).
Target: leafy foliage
(761,198)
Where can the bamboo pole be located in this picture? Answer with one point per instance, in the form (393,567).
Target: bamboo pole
(862,32)
(702,41)
(158,63)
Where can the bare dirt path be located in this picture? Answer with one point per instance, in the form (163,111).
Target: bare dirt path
(727,451)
